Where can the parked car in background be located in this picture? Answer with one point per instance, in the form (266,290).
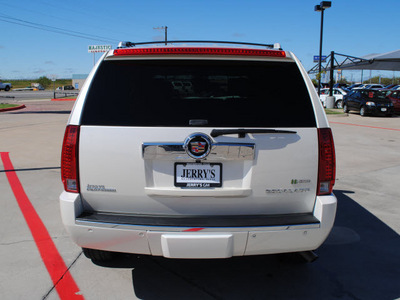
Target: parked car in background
(356,85)
(374,86)
(5,86)
(65,88)
(369,86)
(37,87)
(368,101)
(390,86)
(340,85)
(394,96)
(338,93)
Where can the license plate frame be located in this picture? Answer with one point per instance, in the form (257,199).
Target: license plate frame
(192,180)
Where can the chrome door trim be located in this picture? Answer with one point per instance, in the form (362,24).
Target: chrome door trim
(219,151)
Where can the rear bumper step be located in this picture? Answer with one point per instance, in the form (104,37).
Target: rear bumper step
(197,221)
(264,234)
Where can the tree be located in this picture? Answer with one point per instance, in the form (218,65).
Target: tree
(343,80)
(382,80)
(44,81)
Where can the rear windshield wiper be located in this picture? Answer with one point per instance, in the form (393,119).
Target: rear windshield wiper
(242,131)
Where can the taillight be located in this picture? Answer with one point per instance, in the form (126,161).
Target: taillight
(69,159)
(327,162)
(199,50)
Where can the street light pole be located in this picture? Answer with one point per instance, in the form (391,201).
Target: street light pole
(321,7)
(320,52)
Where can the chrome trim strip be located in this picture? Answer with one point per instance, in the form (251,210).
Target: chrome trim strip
(94,224)
(219,151)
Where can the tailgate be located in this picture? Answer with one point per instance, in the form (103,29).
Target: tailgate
(136,169)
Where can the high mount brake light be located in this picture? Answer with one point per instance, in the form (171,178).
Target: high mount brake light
(327,162)
(199,50)
(69,159)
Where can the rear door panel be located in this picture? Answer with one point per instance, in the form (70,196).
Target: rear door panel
(115,177)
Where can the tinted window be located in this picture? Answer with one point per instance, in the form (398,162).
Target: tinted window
(373,94)
(224,93)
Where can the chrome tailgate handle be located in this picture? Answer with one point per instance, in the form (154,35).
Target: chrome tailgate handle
(219,151)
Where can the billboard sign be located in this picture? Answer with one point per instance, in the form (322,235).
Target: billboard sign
(99,48)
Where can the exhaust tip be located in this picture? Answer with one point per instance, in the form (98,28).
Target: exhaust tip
(309,256)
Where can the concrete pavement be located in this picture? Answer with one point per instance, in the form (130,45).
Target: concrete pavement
(359,260)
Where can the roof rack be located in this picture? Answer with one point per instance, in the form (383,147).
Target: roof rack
(276,46)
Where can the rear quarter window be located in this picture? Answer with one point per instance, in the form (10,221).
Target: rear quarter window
(173,92)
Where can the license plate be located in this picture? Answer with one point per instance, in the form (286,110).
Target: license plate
(200,175)
(383,109)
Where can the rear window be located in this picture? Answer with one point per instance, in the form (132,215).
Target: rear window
(180,93)
(373,94)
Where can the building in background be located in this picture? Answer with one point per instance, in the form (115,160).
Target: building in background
(78,80)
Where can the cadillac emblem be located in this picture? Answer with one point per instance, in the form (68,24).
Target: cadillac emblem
(197,145)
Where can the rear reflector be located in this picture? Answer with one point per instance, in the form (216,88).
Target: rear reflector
(198,50)
(327,162)
(69,159)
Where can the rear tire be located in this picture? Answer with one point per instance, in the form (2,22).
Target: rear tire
(7,88)
(98,255)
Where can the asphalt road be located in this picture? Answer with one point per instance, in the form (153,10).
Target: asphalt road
(29,96)
(359,260)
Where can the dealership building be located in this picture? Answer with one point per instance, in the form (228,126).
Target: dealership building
(78,80)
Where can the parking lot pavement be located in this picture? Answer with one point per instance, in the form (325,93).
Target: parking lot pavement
(359,260)
(368,162)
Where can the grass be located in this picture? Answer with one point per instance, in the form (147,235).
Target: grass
(334,111)
(3,105)
(17,84)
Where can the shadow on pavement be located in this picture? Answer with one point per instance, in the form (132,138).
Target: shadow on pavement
(31,169)
(359,260)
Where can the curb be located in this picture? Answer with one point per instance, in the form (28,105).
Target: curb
(63,99)
(12,108)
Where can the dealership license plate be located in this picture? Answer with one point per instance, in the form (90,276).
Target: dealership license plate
(383,109)
(192,175)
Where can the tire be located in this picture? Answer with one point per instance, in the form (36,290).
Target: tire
(362,111)
(98,255)
(339,104)
(7,88)
(345,109)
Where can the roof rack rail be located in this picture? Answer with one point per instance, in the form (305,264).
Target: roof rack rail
(276,46)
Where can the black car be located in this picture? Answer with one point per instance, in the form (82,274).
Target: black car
(368,101)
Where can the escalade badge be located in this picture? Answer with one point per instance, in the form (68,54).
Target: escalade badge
(197,145)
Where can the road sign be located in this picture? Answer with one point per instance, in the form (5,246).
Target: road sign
(316,58)
(99,48)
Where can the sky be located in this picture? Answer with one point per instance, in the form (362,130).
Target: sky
(51,38)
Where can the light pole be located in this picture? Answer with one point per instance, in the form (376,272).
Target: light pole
(321,7)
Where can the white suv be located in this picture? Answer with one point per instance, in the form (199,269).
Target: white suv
(234,166)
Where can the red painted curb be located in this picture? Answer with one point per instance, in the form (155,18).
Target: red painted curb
(12,108)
